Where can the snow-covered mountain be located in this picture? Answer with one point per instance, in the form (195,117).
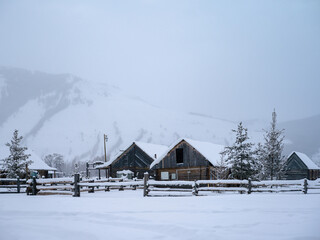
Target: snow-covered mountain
(68,115)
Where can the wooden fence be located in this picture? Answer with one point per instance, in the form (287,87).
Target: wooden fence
(12,185)
(202,187)
(73,186)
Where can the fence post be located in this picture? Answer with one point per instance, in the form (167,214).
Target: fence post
(195,189)
(34,186)
(305,186)
(76,185)
(145,184)
(249,186)
(18,184)
(91,189)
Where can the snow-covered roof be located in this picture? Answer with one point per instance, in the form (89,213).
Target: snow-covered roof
(37,162)
(306,160)
(154,151)
(105,165)
(209,150)
(98,162)
(125,172)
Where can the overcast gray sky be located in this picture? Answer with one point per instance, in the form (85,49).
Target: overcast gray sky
(230,59)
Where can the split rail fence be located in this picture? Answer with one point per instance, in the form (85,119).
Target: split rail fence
(203,187)
(151,188)
(73,186)
(12,185)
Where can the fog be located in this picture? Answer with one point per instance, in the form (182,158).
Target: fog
(228,59)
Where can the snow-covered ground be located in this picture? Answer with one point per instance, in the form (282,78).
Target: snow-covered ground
(127,215)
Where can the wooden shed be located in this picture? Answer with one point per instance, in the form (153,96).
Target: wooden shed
(39,167)
(188,159)
(136,158)
(299,166)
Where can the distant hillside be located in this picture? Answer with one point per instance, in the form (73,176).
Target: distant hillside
(61,113)
(304,135)
(68,115)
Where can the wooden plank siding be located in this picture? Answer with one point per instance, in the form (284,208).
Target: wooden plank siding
(193,167)
(295,169)
(133,159)
(187,174)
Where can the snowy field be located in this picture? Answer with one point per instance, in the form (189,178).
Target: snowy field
(127,215)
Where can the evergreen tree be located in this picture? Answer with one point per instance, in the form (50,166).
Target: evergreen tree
(260,156)
(221,171)
(272,158)
(240,155)
(16,164)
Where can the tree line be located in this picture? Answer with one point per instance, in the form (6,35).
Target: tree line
(262,161)
(243,158)
(18,161)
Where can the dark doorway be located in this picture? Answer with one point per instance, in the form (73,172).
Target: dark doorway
(179,155)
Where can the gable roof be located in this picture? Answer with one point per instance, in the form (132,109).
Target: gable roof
(37,162)
(306,160)
(152,150)
(209,150)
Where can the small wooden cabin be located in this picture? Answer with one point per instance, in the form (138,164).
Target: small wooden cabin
(136,158)
(188,159)
(38,167)
(299,166)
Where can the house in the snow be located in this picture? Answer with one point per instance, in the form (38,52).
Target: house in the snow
(299,166)
(188,159)
(38,167)
(134,161)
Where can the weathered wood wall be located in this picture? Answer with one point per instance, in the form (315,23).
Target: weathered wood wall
(133,159)
(186,174)
(194,166)
(295,169)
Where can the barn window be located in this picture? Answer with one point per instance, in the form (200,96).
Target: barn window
(179,155)
(173,176)
(164,175)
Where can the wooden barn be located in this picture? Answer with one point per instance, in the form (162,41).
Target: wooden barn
(134,161)
(188,159)
(299,166)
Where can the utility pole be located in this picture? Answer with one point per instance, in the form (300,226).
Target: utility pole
(105,139)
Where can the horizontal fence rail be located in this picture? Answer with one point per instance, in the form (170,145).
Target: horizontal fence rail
(73,186)
(12,185)
(154,188)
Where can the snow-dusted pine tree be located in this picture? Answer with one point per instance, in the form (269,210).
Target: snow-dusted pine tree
(240,155)
(260,156)
(15,164)
(273,159)
(221,169)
